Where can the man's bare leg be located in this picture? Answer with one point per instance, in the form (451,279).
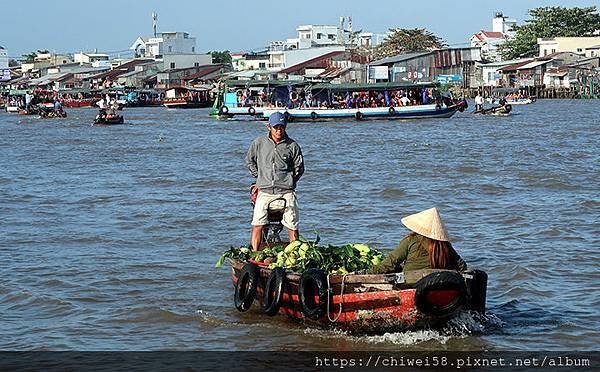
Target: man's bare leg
(256,237)
(293,234)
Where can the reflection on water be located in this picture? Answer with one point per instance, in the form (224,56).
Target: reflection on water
(109,234)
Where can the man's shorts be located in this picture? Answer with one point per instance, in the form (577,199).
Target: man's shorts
(290,216)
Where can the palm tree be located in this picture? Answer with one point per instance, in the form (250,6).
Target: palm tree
(403,40)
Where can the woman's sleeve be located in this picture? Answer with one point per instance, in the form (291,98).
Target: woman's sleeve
(461,265)
(392,263)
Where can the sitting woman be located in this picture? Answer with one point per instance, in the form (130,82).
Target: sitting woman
(427,247)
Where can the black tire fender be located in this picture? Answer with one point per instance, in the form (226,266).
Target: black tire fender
(358,115)
(441,280)
(251,111)
(223,110)
(274,291)
(313,115)
(245,287)
(392,111)
(313,282)
(461,108)
(438,106)
(508,108)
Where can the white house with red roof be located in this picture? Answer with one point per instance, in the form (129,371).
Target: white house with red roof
(488,41)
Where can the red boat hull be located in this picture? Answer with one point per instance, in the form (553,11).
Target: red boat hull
(361,302)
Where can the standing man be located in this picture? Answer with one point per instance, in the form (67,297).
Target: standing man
(276,161)
(478,102)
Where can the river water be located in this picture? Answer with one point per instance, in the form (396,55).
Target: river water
(109,235)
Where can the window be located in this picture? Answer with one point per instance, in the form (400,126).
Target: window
(172,64)
(262,65)
(170,49)
(579,50)
(331,37)
(196,64)
(193,49)
(319,35)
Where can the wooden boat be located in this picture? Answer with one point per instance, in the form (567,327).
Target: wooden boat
(520,101)
(186,98)
(109,120)
(496,111)
(77,103)
(340,103)
(360,303)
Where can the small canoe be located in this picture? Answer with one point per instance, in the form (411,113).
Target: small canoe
(360,303)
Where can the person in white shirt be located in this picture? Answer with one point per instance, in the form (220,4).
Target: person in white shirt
(478,102)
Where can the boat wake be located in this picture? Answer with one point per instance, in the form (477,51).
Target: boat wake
(466,324)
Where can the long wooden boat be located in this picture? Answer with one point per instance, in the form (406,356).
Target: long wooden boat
(186,98)
(76,103)
(360,303)
(520,101)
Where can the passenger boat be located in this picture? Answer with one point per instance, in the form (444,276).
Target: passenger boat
(359,303)
(327,102)
(183,97)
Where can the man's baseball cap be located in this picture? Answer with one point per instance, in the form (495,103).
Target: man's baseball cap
(277,118)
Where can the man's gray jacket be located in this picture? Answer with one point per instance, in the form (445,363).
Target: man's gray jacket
(276,167)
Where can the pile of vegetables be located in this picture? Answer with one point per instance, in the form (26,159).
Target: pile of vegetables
(302,254)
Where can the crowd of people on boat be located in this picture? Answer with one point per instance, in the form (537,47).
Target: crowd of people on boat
(301,98)
(44,104)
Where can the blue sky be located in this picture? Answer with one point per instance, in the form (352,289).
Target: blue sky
(236,25)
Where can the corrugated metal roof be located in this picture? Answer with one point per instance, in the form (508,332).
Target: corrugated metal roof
(398,58)
(533,64)
(307,63)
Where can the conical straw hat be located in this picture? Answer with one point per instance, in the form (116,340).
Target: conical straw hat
(427,223)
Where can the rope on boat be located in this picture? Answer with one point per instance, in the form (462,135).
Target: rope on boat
(341,298)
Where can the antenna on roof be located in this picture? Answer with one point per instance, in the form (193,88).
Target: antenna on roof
(154,21)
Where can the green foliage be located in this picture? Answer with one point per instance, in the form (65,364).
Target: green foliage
(30,58)
(402,40)
(221,57)
(550,22)
(303,254)
(238,253)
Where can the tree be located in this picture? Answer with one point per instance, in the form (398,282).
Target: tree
(30,58)
(221,57)
(550,22)
(402,40)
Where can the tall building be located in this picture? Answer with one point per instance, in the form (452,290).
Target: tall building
(489,41)
(3,58)
(4,70)
(164,43)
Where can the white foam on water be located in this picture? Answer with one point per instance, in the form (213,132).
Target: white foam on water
(464,325)
(407,338)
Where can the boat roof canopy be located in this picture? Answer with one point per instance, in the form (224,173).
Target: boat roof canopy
(265,83)
(374,86)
